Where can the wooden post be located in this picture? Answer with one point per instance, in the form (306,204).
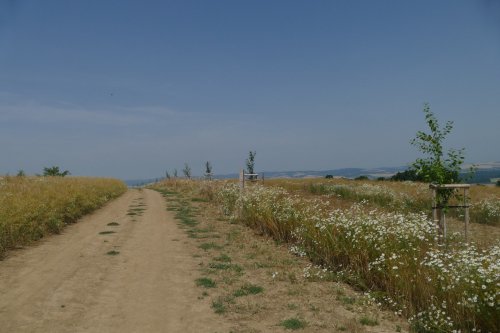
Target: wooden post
(262,178)
(466,204)
(442,223)
(242,179)
(434,206)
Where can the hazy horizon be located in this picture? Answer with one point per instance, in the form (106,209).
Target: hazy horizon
(130,89)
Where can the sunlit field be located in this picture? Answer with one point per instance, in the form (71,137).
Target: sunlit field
(378,237)
(32,207)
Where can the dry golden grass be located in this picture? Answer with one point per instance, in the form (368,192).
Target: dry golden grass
(32,207)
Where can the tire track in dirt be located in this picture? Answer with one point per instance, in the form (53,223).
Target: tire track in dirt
(68,283)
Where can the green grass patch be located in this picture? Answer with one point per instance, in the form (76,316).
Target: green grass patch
(293,324)
(107,232)
(218,306)
(208,246)
(167,193)
(205,282)
(219,265)
(367,321)
(200,234)
(112,253)
(113,224)
(199,200)
(185,215)
(248,289)
(223,258)
(346,300)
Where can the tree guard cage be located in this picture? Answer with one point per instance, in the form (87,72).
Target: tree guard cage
(243,176)
(437,208)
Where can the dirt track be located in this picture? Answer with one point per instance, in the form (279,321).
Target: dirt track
(69,282)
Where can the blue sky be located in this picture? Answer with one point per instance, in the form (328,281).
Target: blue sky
(131,88)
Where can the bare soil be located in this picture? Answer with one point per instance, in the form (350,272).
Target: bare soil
(138,279)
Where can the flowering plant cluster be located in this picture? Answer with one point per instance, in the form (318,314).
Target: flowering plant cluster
(398,257)
(486,211)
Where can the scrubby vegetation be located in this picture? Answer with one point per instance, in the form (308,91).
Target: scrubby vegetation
(394,256)
(400,196)
(32,207)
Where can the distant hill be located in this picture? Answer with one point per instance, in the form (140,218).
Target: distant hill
(345,172)
(485,173)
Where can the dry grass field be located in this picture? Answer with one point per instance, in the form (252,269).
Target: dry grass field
(32,207)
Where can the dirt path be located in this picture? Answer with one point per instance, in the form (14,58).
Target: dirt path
(73,283)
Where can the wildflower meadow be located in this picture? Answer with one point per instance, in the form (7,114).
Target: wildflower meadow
(396,258)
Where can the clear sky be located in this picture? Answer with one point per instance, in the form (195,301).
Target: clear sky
(131,88)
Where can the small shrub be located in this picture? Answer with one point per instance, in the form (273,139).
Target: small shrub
(248,289)
(219,265)
(205,282)
(208,246)
(223,258)
(293,324)
(218,306)
(55,172)
(367,321)
(107,232)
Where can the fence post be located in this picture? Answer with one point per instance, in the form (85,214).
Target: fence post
(442,223)
(466,204)
(242,179)
(434,206)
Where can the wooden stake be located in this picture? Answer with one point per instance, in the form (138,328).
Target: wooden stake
(466,204)
(242,179)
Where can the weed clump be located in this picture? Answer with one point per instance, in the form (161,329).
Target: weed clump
(218,306)
(248,289)
(107,232)
(293,324)
(205,282)
(209,246)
